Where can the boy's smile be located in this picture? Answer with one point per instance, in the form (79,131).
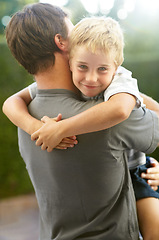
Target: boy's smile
(92,73)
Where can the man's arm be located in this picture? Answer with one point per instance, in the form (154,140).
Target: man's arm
(150,103)
(15,108)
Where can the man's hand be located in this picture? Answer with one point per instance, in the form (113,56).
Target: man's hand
(49,135)
(152,174)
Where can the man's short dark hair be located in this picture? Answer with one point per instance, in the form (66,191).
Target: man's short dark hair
(30,35)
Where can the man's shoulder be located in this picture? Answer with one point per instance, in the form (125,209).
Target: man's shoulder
(53,101)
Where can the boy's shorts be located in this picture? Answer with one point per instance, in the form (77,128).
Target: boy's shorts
(141,188)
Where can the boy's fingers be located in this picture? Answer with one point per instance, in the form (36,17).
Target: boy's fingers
(69,141)
(49,149)
(153,170)
(153,183)
(39,143)
(154,162)
(150,176)
(61,148)
(64,145)
(34,136)
(154,188)
(73,137)
(59,117)
(45,119)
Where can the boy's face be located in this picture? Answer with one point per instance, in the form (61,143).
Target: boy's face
(91,73)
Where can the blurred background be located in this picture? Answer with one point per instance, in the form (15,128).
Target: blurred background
(140,21)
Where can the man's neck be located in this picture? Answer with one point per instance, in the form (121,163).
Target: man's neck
(57,77)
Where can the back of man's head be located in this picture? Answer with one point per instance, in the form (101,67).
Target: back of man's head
(30,35)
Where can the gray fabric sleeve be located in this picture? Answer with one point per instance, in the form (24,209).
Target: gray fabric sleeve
(140,132)
(32,90)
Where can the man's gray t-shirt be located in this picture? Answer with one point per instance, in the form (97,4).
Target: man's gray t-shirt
(86,192)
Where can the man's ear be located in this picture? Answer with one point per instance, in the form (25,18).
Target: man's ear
(70,64)
(61,43)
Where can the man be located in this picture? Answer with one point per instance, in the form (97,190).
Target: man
(85,192)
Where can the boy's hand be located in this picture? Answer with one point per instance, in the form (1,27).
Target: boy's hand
(48,136)
(152,174)
(68,142)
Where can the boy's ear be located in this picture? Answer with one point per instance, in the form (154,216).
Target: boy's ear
(61,43)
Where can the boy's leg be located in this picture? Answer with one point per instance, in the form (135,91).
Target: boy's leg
(148,216)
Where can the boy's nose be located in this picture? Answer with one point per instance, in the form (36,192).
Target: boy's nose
(91,77)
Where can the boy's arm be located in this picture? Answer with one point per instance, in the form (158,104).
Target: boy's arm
(15,108)
(99,117)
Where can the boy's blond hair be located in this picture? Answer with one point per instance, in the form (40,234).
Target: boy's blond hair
(98,33)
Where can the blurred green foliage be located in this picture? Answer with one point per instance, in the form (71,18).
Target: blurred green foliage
(9,7)
(14,179)
(13,175)
(141,57)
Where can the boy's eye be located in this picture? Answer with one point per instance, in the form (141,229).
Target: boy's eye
(102,69)
(83,67)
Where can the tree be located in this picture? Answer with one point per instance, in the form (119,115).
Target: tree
(9,7)
(77,10)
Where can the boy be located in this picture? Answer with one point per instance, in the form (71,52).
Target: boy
(94,59)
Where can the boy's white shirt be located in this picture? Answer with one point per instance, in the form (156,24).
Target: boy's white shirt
(122,82)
